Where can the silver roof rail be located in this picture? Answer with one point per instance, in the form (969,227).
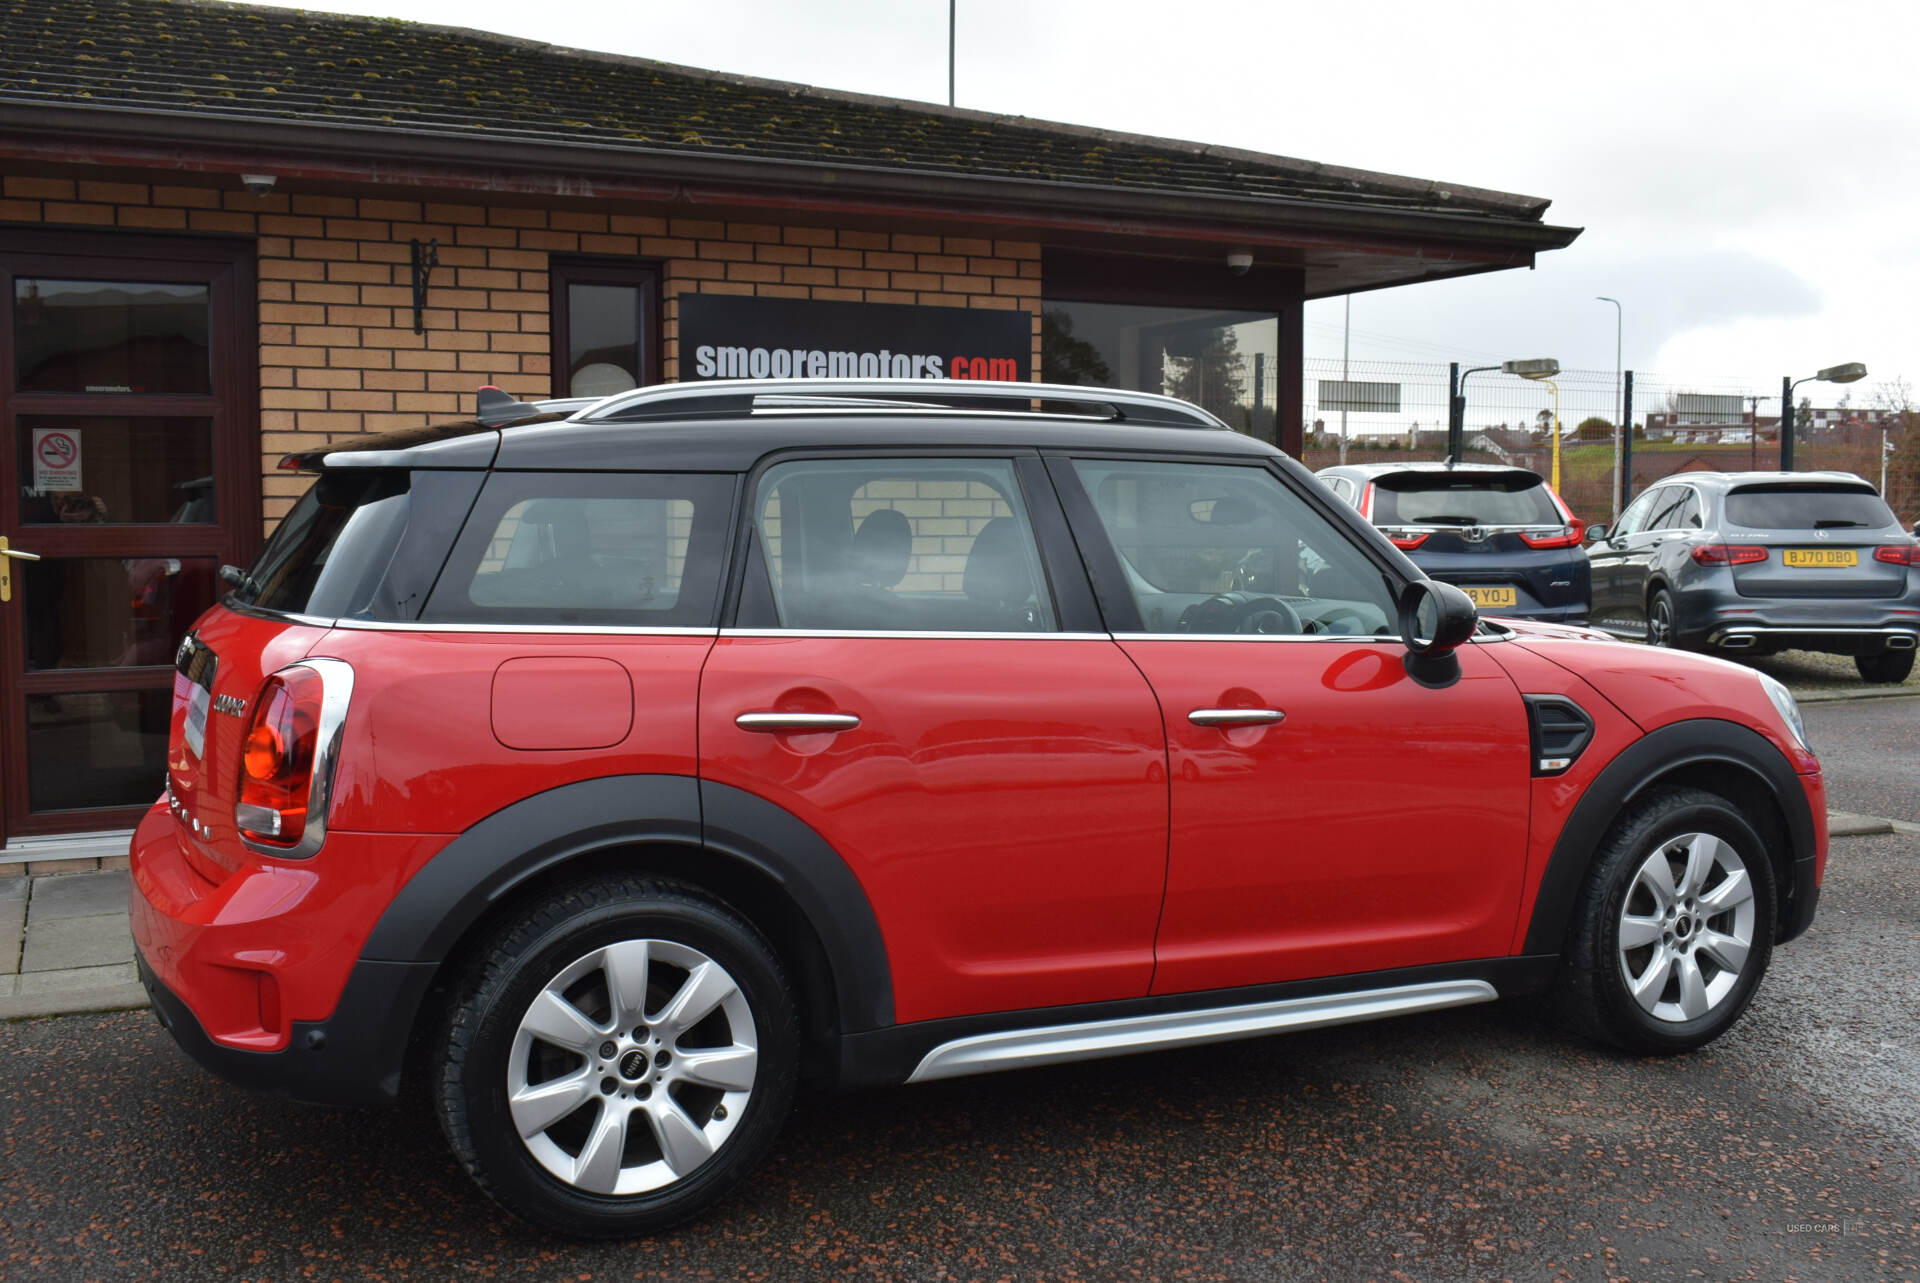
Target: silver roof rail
(738,396)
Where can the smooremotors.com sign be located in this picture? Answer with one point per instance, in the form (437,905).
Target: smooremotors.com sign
(727,337)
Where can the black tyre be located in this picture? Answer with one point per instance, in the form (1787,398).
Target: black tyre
(619,1058)
(1674,927)
(1662,620)
(1887,666)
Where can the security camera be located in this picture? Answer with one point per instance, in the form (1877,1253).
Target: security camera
(259,184)
(1240,261)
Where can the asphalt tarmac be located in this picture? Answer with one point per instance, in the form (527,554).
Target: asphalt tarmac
(1869,750)
(1466,1145)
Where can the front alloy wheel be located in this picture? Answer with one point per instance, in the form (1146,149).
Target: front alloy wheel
(1686,929)
(1674,927)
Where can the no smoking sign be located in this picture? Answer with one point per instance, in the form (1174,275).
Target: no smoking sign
(56,459)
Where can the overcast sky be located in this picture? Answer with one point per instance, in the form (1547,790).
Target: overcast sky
(1748,173)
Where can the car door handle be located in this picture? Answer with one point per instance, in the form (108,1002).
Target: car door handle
(1236,716)
(789,723)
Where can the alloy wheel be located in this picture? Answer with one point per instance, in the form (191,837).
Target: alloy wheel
(1686,927)
(632,1066)
(1660,622)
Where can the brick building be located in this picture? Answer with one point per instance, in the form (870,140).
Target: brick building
(230,232)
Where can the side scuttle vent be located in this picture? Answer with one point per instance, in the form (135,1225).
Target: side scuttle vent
(1560,731)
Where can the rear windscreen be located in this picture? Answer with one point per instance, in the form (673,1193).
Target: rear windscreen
(1455,499)
(1807,507)
(323,550)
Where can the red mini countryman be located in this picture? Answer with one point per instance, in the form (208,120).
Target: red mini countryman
(611,773)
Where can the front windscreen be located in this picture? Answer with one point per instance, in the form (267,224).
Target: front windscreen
(1461,499)
(1808,507)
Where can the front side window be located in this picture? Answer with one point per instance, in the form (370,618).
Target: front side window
(1213,548)
(899,545)
(1634,519)
(604,549)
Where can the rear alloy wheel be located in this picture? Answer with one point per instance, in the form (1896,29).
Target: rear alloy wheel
(1674,928)
(625,1056)
(1887,666)
(1660,617)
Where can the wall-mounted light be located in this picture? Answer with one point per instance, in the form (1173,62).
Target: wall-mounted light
(258,184)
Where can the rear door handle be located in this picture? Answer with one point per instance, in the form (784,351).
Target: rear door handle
(1236,716)
(790,723)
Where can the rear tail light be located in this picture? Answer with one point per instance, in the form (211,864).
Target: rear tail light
(287,758)
(1899,554)
(1568,536)
(1366,502)
(1724,554)
(1407,540)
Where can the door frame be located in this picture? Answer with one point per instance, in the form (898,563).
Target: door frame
(227,266)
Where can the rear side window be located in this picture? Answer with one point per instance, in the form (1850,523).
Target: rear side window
(590,549)
(315,563)
(1462,499)
(1807,507)
(906,545)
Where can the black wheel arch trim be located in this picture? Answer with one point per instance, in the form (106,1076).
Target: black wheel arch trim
(449,894)
(1698,741)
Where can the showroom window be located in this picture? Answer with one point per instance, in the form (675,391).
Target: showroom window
(606,326)
(1226,361)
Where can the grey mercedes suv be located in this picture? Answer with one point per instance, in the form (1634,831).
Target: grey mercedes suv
(1759,562)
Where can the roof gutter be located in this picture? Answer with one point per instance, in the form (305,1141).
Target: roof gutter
(464,160)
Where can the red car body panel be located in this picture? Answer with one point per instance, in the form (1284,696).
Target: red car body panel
(1554,796)
(417,693)
(1003,803)
(1279,869)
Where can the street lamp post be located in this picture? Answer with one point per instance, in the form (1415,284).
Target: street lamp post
(1851,372)
(1457,418)
(1619,405)
(1543,370)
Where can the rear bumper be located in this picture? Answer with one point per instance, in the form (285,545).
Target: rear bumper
(1758,637)
(258,975)
(355,1058)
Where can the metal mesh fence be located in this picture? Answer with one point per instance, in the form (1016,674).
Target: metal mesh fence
(1680,425)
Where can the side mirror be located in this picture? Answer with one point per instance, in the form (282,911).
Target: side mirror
(1435,618)
(1596,533)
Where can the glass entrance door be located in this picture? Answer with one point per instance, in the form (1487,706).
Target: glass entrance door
(129,463)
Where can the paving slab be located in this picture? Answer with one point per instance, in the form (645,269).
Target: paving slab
(71,990)
(79,895)
(13,923)
(76,942)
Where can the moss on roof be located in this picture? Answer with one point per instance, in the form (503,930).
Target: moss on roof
(303,68)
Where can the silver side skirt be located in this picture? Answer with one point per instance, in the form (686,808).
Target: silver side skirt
(1053,1044)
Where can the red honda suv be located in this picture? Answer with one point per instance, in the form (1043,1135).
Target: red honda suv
(609,775)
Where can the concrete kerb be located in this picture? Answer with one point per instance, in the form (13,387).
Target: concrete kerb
(1865,692)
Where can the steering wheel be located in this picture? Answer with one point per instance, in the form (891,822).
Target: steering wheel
(1344,615)
(1240,612)
(1267,617)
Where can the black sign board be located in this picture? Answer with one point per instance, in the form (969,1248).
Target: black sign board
(727,337)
